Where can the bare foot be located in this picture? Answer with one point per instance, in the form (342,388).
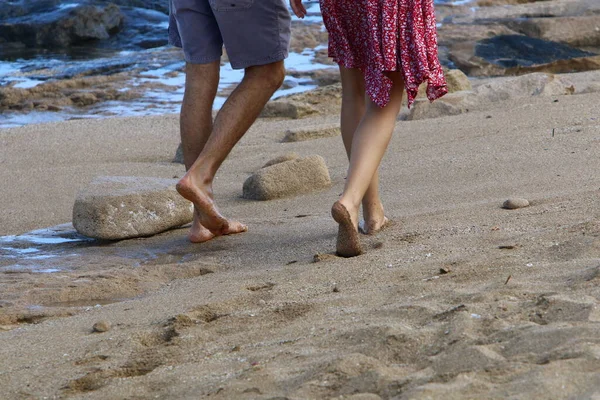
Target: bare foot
(208,215)
(348,242)
(375,219)
(372,227)
(199,234)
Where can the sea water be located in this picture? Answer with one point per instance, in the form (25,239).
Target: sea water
(156,99)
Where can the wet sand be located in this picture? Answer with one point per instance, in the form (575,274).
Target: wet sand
(459,298)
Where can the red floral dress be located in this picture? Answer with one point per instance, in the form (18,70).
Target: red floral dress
(386,35)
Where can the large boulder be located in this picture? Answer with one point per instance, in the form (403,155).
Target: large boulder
(63,26)
(535,84)
(486,94)
(122,207)
(114,24)
(288,178)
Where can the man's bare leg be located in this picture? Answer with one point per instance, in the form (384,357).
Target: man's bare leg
(368,147)
(196,125)
(353,110)
(233,120)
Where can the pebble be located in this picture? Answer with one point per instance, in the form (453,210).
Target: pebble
(102,326)
(514,203)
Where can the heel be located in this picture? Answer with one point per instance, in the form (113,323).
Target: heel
(348,241)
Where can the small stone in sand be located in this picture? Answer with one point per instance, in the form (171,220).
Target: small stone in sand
(102,326)
(445,270)
(514,203)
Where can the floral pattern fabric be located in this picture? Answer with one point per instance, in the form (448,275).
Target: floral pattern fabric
(386,35)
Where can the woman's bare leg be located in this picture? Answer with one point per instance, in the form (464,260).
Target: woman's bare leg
(353,110)
(369,143)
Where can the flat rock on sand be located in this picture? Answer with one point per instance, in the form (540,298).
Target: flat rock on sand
(311,133)
(287,109)
(288,178)
(122,207)
(485,94)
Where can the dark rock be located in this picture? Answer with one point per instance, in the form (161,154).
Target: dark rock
(48,24)
(516,50)
(142,29)
(518,54)
(157,5)
(64,26)
(19,8)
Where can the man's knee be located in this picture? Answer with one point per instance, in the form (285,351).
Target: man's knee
(270,75)
(202,75)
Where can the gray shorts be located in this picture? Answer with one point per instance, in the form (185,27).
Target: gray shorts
(254,32)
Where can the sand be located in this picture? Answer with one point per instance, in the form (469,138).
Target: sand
(457,299)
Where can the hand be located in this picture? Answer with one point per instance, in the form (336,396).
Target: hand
(298,8)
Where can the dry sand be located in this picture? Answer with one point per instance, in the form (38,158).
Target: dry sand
(272,314)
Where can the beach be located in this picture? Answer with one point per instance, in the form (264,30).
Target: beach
(460,297)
